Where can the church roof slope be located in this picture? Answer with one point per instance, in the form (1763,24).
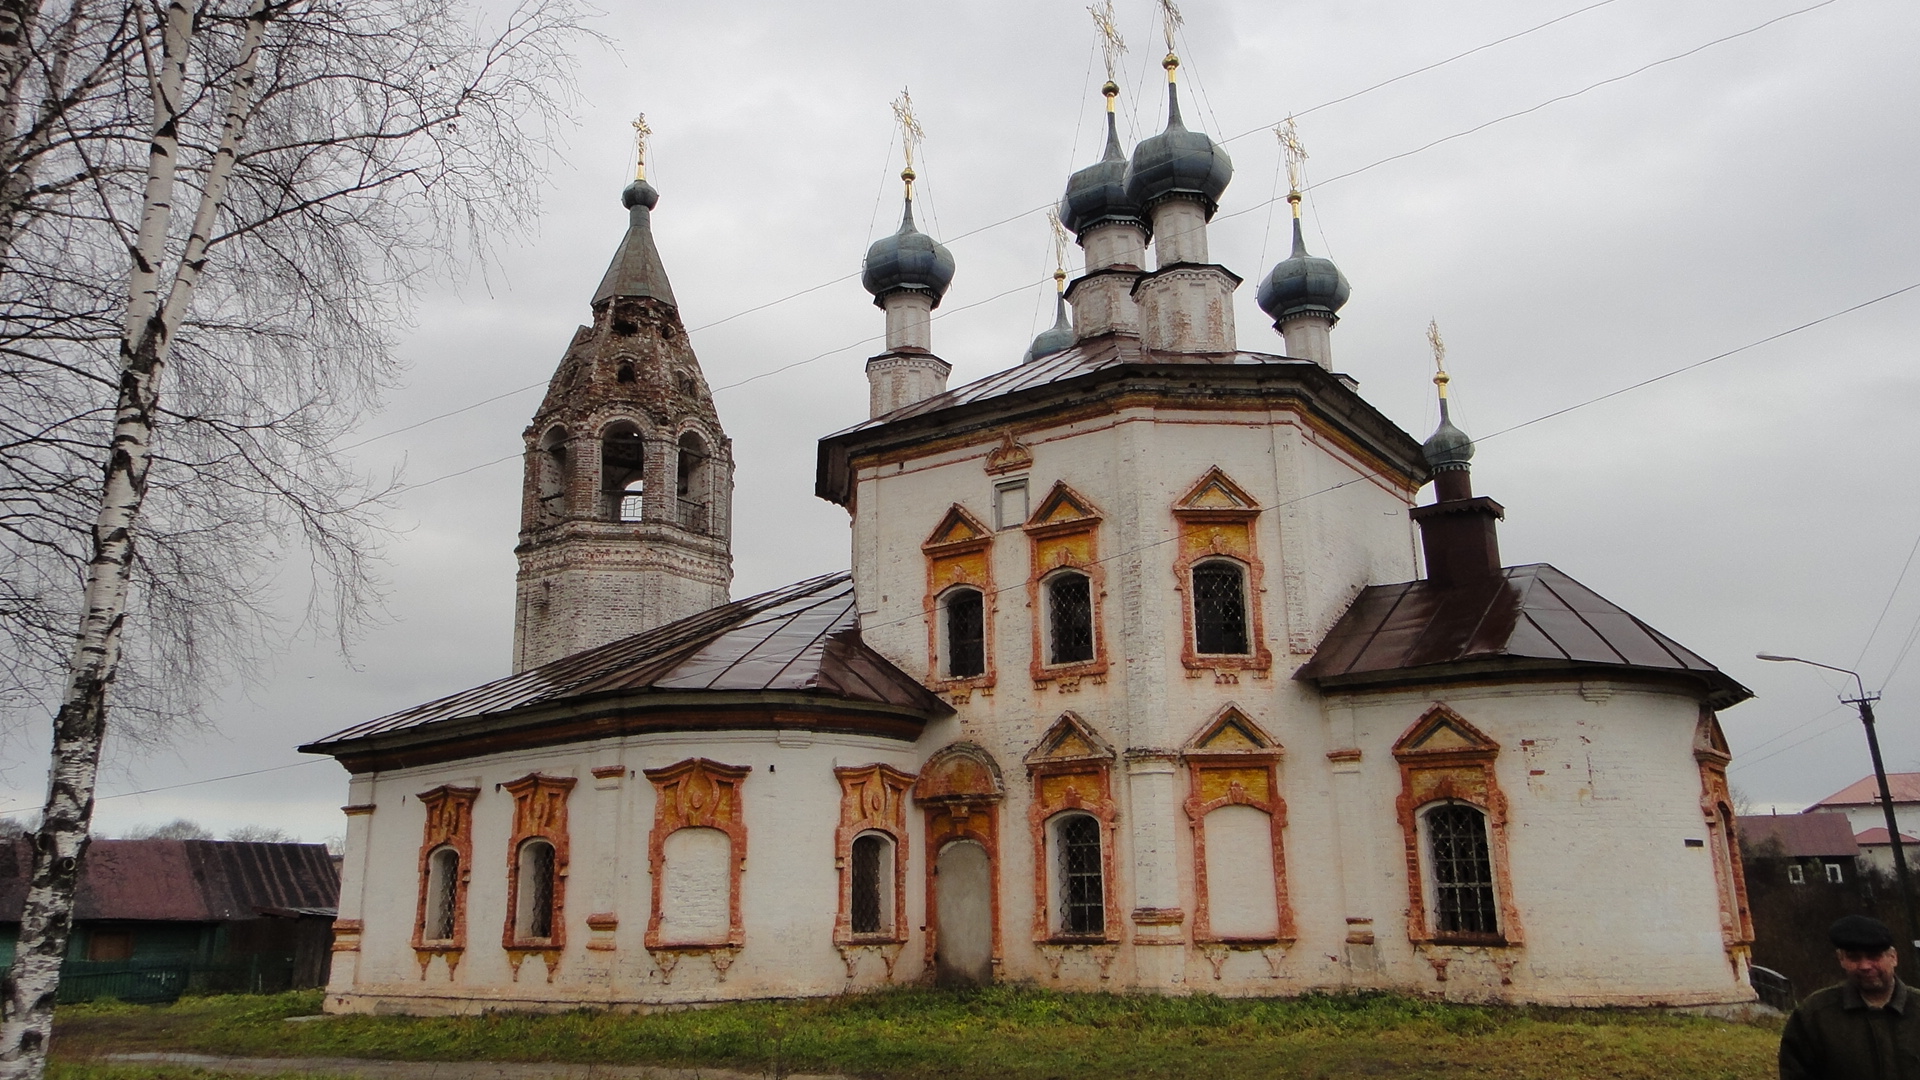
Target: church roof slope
(1107,368)
(1528,619)
(803,638)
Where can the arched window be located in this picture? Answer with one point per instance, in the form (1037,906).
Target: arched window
(695,501)
(964,623)
(871,904)
(443,883)
(533,900)
(550,470)
(622,471)
(1461,871)
(1219,608)
(1069,618)
(1078,881)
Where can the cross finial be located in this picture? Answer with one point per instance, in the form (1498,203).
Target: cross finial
(1295,152)
(1170,22)
(1112,46)
(640,133)
(1060,241)
(910,133)
(1440,377)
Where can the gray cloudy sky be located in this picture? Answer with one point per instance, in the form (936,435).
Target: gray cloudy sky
(1764,501)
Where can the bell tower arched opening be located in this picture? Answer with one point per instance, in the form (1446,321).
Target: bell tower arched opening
(622,471)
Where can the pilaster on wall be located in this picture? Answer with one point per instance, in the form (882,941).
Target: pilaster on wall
(449,825)
(1072,769)
(1443,758)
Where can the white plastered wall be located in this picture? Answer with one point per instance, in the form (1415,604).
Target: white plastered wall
(790,888)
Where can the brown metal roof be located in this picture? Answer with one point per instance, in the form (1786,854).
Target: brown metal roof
(181,880)
(1531,618)
(1903,786)
(1800,836)
(803,638)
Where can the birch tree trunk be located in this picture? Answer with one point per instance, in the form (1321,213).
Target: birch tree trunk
(80,727)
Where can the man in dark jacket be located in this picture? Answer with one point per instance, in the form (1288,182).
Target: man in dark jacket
(1866,1028)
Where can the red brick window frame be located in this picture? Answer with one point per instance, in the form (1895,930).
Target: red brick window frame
(1072,773)
(448,835)
(959,791)
(1711,753)
(1234,762)
(1444,759)
(539,817)
(959,554)
(873,802)
(1063,534)
(1216,519)
(697,794)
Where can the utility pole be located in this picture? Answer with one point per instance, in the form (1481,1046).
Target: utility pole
(1863,702)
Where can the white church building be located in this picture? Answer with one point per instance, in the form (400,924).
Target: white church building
(1151,673)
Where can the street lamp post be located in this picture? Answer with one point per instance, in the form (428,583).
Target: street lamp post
(1864,702)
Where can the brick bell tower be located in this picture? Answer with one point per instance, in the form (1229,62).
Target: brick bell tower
(626,507)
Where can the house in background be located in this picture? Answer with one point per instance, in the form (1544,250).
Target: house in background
(1801,849)
(1860,802)
(217,915)
(1877,851)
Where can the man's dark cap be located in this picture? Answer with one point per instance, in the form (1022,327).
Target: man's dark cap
(1860,934)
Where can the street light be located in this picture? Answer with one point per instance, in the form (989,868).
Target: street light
(1864,702)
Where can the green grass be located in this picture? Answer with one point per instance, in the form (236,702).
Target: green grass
(1006,1033)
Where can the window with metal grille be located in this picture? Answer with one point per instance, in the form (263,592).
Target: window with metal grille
(966,634)
(1083,900)
(1219,608)
(1069,619)
(534,904)
(1462,870)
(443,879)
(633,502)
(870,870)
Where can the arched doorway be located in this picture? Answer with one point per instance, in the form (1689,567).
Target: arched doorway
(959,791)
(963,946)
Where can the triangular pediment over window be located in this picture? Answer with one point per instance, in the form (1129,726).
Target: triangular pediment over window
(1062,506)
(1708,738)
(958,527)
(1232,732)
(1441,730)
(1070,739)
(1217,492)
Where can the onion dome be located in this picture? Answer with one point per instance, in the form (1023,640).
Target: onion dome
(909,259)
(639,194)
(1448,447)
(1097,194)
(1178,163)
(1303,284)
(1055,338)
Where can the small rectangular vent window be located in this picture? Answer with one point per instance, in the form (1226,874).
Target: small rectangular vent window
(1010,504)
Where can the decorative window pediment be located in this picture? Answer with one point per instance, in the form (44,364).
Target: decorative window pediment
(959,772)
(537,887)
(873,801)
(1010,456)
(1070,740)
(697,794)
(1063,507)
(1216,493)
(1708,740)
(957,528)
(1232,732)
(446,868)
(1443,731)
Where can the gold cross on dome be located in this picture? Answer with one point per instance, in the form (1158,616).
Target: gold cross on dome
(1440,377)
(640,133)
(911,133)
(1112,46)
(1295,152)
(1060,241)
(1170,22)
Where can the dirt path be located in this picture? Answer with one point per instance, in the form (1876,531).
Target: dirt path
(362,1069)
